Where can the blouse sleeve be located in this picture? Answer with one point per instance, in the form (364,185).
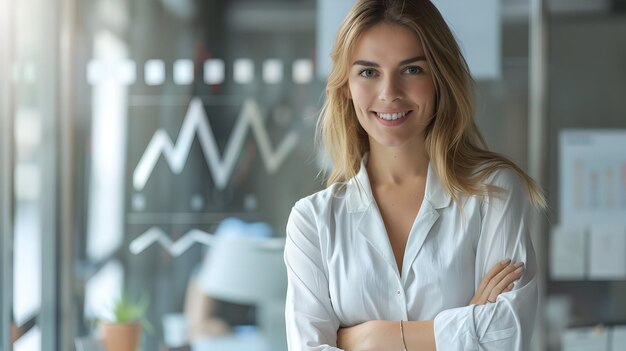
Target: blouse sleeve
(508,323)
(311,321)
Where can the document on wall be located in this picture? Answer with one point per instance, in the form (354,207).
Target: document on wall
(567,253)
(607,252)
(585,339)
(592,176)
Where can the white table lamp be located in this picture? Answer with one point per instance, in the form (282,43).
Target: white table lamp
(250,270)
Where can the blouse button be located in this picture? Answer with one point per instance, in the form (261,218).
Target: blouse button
(398,292)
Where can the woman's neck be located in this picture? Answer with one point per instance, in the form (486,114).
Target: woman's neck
(396,165)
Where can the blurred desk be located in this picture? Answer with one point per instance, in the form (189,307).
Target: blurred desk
(246,341)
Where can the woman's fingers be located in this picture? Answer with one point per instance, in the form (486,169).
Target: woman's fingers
(502,275)
(506,281)
(498,280)
(498,283)
(494,281)
(491,274)
(482,293)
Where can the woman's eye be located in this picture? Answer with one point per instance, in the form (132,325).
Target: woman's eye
(414,70)
(367,73)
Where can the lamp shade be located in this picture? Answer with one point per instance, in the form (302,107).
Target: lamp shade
(245,270)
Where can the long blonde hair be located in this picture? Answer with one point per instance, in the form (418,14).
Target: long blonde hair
(454,144)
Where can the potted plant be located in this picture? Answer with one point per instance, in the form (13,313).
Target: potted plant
(122,332)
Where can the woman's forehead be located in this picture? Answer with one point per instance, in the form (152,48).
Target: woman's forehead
(387,42)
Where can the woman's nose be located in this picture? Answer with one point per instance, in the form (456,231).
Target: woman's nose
(390,90)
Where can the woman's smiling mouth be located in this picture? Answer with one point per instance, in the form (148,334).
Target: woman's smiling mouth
(392,118)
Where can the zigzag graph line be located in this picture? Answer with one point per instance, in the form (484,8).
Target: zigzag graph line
(156,235)
(196,121)
(193,236)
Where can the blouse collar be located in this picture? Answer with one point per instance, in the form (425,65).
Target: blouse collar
(359,190)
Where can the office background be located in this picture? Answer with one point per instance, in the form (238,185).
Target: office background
(128,121)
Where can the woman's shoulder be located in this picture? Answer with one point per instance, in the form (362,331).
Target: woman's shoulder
(311,212)
(321,200)
(510,179)
(504,177)
(324,196)
(505,184)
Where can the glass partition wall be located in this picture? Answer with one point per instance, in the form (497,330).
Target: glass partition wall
(189,113)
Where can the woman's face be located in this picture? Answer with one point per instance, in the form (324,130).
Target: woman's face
(391,85)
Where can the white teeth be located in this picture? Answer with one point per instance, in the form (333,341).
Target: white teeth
(391,116)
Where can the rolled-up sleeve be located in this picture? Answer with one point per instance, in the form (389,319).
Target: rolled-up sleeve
(508,323)
(311,321)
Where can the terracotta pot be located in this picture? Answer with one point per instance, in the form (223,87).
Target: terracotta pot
(121,337)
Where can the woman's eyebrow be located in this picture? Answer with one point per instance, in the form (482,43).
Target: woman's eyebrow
(365,63)
(412,59)
(374,64)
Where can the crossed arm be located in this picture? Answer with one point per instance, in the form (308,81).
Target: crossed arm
(420,335)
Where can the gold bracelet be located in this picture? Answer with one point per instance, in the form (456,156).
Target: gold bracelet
(402,335)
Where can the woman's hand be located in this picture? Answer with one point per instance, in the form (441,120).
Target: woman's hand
(368,335)
(499,280)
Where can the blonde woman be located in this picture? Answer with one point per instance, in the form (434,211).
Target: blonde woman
(420,241)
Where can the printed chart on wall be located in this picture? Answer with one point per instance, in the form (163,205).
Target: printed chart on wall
(592,176)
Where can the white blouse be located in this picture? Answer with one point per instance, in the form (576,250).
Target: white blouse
(342,271)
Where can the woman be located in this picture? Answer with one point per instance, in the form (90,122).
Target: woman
(407,248)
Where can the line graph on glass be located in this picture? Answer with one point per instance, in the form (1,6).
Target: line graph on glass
(221,168)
